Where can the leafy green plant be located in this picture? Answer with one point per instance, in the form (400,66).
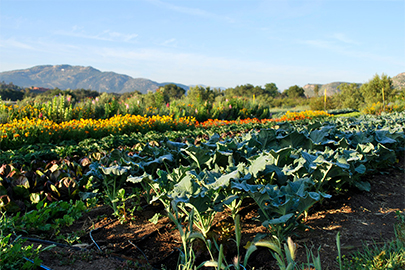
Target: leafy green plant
(283,253)
(72,237)
(122,212)
(49,217)
(280,209)
(389,256)
(15,255)
(113,178)
(187,236)
(284,262)
(221,262)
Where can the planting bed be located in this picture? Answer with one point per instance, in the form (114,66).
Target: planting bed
(360,217)
(339,175)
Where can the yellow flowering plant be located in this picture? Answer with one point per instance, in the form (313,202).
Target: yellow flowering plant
(36,130)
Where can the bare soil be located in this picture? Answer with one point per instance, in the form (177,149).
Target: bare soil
(360,217)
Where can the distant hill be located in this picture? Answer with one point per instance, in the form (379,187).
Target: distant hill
(398,82)
(331,89)
(77,77)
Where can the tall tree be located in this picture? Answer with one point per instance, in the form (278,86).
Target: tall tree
(201,94)
(349,97)
(378,88)
(271,89)
(295,92)
(173,91)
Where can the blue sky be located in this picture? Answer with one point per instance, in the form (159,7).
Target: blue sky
(221,43)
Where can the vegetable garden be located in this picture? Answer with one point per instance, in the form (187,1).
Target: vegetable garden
(199,180)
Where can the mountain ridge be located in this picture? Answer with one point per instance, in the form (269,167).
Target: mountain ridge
(77,77)
(331,88)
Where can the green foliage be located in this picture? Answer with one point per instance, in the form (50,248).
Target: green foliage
(19,189)
(12,95)
(294,92)
(378,89)
(15,255)
(58,109)
(284,170)
(11,86)
(78,95)
(115,195)
(199,94)
(349,97)
(48,217)
(82,94)
(172,91)
(283,262)
(280,209)
(389,256)
(271,90)
(380,108)
(318,103)
(11,92)
(249,90)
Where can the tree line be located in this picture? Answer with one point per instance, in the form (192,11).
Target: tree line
(350,96)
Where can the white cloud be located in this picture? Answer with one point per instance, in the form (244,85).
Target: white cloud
(117,35)
(336,42)
(319,43)
(343,38)
(106,35)
(11,43)
(169,42)
(39,48)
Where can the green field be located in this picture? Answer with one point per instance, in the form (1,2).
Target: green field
(283,169)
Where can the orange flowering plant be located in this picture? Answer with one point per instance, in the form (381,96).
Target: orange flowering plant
(288,116)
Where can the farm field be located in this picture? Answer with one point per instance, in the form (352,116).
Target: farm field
(360,217)
(203,194)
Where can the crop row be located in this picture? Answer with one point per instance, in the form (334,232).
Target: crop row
(33,131)
(63,108)
(284,170)
(329,156)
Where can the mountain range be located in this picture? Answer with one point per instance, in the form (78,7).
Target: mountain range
(78,77)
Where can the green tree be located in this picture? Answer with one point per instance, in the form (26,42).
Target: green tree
(271,90)
(173,91)
(374,90)
(83,94)
(128,95)
(349,97)
(318,103)
(149,99)
(160,98)
(10,94)
(199,94)
(247,90)
(11,86)
(295,92)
